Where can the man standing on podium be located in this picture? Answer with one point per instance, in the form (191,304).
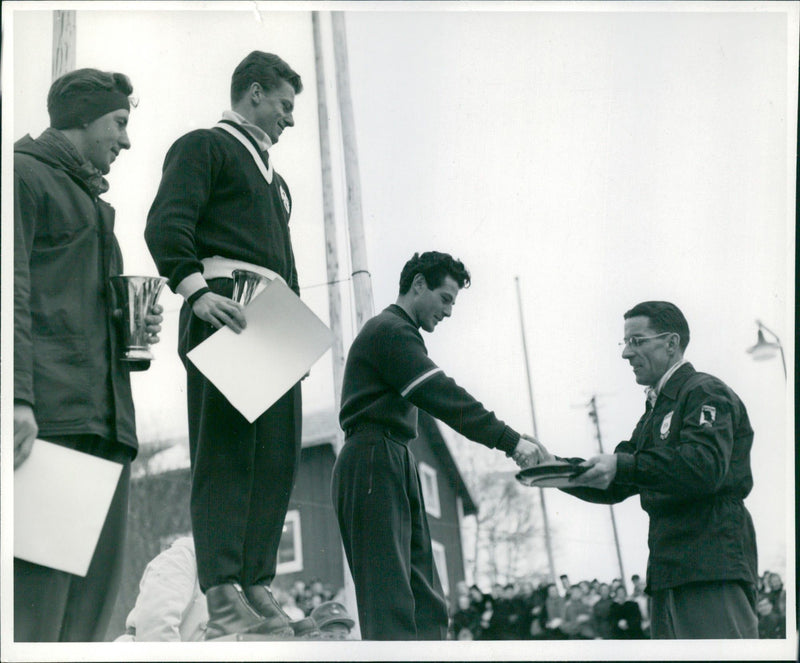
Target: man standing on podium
(375,486)
(70,386)
(221,206)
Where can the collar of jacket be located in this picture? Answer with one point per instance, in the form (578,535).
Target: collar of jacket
(674,384)
(54,149)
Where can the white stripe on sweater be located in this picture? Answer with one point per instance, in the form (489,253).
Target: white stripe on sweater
(417,381)
(267,173)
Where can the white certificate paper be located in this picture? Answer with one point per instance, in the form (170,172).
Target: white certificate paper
(281,342)
(61,498)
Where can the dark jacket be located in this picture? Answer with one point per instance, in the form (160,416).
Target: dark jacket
(65,343)
(689,460)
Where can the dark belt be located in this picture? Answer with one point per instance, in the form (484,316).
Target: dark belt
(377,429)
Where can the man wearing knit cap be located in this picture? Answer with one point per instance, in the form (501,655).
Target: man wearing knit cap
(70,387)
(221,206)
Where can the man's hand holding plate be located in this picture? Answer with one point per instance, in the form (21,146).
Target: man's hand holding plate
(601,472)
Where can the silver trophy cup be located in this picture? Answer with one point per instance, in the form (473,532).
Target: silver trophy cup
(246,285)
(135,296)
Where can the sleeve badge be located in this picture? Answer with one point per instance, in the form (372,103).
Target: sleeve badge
(708,415)
(665,424)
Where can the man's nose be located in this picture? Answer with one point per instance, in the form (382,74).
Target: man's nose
(627,352)
(289,120)
(124,141)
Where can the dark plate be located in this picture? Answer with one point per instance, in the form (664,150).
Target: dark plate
(550,475)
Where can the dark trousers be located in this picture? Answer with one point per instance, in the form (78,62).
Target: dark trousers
(715,610)
(378,500)
(55,606)
(242,473)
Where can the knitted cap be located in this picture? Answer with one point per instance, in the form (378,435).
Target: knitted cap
(83,95)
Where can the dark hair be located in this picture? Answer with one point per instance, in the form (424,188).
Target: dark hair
(434,266)
(267,70)
(664,317)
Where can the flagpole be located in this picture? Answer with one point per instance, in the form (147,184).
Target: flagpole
(548,544)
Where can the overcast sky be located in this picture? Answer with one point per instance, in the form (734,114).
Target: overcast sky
(604,154)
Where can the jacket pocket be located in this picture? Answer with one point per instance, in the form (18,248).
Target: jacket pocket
(60,378)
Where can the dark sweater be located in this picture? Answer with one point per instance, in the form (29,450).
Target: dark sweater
(213,200)
(388,375)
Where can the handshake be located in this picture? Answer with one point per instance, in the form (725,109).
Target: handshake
(530,452)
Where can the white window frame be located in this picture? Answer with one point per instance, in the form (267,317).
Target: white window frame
(296,564)
(430,489)
(440,561)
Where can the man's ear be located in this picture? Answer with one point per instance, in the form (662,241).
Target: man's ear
(419,283)
(675,342)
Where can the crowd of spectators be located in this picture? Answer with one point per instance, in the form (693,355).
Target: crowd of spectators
(771,606)
(586,610)
(302,597)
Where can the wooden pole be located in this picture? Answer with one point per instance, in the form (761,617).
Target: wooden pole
(63,42)
(548,543)
(595,418)
(334,294)
(329,217)
(362,282)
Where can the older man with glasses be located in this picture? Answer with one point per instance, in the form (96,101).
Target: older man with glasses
(689,461)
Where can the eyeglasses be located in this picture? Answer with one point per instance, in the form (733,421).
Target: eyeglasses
(637,341)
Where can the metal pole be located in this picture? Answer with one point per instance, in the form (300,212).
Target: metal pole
(547,541)
(63,42)
(594,417)
(362,283)
(329,217)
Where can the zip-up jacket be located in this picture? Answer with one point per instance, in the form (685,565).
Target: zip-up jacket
(65,340)
(689,460)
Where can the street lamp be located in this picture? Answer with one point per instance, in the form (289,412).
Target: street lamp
(764,349)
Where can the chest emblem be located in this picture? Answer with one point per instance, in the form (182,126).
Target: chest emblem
(708,415)
(665,424)
(285,199)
